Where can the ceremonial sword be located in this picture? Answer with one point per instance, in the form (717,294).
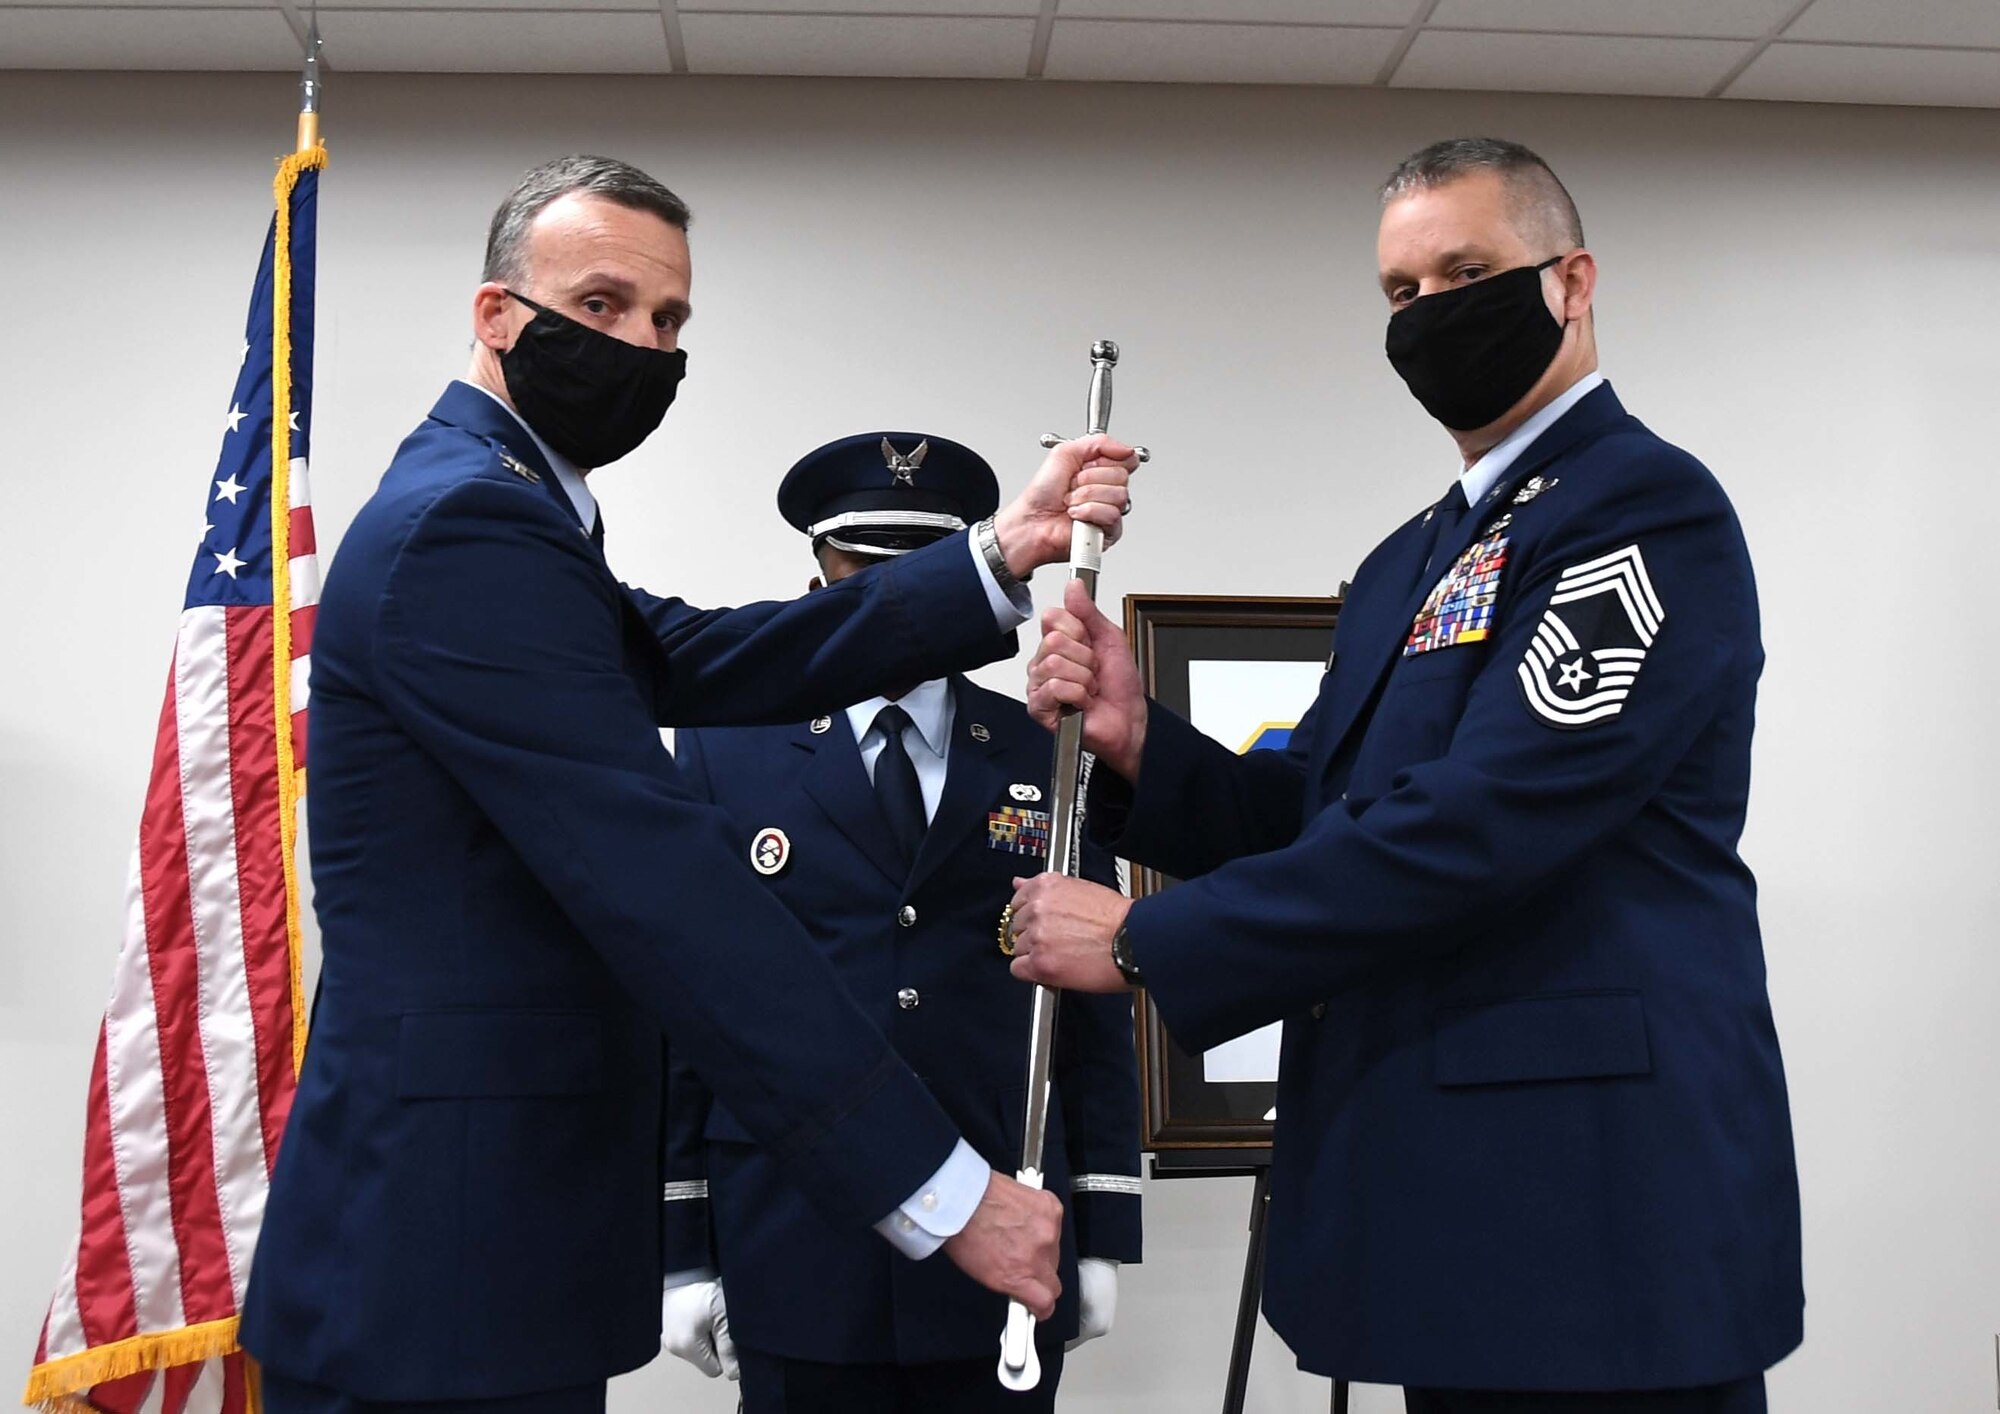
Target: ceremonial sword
(1020,1367)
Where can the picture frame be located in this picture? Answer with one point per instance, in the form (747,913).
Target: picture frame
(1218,660)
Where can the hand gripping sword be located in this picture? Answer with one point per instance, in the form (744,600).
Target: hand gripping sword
(1020,1367)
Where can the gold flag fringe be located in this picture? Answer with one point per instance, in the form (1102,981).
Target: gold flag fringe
(289,778)
(57,1386)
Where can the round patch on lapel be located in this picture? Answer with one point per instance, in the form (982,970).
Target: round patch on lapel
(771,851)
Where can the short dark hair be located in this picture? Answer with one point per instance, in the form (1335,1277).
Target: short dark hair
(507,237)
(1539,203)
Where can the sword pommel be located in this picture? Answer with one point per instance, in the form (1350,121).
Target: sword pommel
(1104,351)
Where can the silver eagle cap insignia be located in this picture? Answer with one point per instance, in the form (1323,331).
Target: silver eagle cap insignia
(903,469)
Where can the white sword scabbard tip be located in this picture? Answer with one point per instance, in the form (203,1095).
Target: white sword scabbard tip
(1020,1366)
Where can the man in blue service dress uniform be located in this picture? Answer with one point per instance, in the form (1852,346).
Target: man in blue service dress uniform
(1533,1149)
(893,831)
(517,891)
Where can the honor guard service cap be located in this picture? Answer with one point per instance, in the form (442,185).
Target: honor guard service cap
(885,493)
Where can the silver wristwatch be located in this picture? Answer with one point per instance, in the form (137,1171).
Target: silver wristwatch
(988,540)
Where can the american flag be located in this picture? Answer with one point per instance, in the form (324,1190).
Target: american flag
(197,1057)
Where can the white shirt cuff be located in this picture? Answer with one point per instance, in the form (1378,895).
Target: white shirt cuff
(941,1208)
(1009,611)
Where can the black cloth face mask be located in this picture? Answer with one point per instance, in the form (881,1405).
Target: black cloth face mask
(591,397)
(1471,353)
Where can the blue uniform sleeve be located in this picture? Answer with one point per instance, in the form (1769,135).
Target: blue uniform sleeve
(1199,805)
(918,616)
(501,642)
(686,1239)
(1097,1080)
(1518,797)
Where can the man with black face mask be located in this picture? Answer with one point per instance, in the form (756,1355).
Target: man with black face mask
(1533,1149)
(517,893)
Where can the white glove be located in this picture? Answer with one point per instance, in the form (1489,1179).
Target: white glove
(1096,1298)
(694,1324)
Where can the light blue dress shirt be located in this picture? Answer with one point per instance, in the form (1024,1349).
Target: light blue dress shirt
(1484,474)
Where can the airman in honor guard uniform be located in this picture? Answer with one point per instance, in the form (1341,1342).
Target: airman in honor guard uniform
(893,830)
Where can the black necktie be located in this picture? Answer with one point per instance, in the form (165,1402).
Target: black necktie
(597,532)
(896,787)
(1444,520)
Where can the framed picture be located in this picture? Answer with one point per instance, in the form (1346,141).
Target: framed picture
(1243,670)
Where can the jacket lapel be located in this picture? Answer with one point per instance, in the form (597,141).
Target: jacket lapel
(1371,651)
(468,408)
(973,778)
(838,785)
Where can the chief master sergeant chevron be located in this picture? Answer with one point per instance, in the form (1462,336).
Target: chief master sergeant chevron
(517,892)
(1533,1147)
(893,830)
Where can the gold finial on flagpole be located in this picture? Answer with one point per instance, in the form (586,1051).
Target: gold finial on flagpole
(309,87)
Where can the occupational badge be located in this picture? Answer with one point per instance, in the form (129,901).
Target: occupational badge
(903,469)
(1018,830)
(770,851)
(1459,608)
(1592,641)
(1533,487)
(1023,791)
(821,726)
(979,732)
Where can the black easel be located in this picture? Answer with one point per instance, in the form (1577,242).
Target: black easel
(1250,1300)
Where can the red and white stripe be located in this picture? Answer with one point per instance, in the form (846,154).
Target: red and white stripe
(193,1073)
(305,600)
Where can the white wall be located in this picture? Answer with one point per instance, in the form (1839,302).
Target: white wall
(1804,296)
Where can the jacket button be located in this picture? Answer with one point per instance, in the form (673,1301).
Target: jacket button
(908,999)
(1319,1011)
(907,916)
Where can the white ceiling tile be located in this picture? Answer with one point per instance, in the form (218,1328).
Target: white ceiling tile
(1559,63)
(1708,19)
(1184,53)
(926,46)
(922,8)
(1298,12)
(74,37)
(650,7)
(495,41)
(1827,73)
(1967,22)
(15,6)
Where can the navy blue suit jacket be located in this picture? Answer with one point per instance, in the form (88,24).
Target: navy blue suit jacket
(1532,1123)
(803,1287)
(516,892)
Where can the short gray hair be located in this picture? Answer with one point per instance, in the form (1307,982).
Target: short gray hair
(507,237)
(1538,202)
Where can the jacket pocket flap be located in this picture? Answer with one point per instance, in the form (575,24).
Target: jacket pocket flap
(1562,1037)
(469,1054)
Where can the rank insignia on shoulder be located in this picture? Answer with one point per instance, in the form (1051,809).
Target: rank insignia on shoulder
(519,467)
(1018,830)
(1533,487)
(1592,641)
(770,851)
(1023,791)
(1459,609)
